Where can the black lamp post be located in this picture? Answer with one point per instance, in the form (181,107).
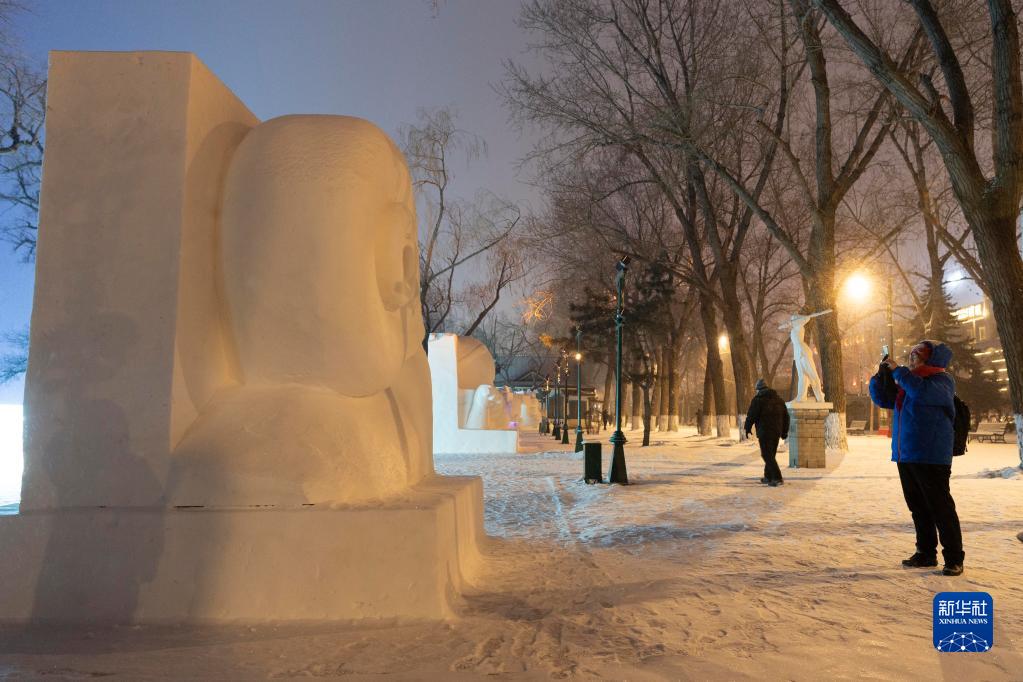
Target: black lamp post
(557,395)
(617,472)
(545,425)
(578,389)
(564,422)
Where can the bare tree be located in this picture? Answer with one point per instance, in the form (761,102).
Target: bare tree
(14,362)
(22,110)
(990,199)
(624,74)
(468,257)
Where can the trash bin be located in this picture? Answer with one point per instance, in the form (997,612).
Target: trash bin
(591,459)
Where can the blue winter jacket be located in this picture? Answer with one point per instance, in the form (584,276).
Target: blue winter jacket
(922,428)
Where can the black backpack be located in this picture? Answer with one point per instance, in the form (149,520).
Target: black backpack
(960,426)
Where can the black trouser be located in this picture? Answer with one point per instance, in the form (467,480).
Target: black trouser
(768,451)
(925,487)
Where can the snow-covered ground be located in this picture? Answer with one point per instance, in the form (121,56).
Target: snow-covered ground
(694,572)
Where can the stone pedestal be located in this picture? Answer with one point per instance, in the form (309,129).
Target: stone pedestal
(806,433)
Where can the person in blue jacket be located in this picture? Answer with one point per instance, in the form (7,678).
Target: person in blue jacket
(921,396)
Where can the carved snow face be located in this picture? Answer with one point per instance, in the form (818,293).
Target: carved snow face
(319,255)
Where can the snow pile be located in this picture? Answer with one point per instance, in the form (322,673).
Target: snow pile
(1007,472)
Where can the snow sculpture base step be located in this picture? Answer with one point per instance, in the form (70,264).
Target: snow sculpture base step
(806,433)
(404,559)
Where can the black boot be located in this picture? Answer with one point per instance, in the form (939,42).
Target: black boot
(952,569)
(918,560)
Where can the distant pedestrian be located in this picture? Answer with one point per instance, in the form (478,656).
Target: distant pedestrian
(921,396)
(768,413)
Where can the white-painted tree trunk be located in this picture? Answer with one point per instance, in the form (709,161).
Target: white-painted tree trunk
(673,423)
(834,432)
(724,426)
(741,421)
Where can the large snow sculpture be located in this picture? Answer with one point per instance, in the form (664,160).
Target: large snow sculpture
(469,414)
(321,285)
(228,414)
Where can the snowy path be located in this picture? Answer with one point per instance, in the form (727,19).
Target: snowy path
(694,572)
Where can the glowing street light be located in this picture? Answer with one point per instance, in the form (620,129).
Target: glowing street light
(723,343)
(858,287)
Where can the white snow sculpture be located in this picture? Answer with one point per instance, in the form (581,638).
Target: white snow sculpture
(469,414)
(321,277)
(488,409)
(802,356)
(228,414)
(524,408)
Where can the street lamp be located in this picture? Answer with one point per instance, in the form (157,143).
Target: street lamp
(557,385)
(564,428)
(578,389)
(545,425)
(858,287)
(617,472)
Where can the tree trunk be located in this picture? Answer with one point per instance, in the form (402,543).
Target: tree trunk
(829,339)
(742,358)
(707,407)
(647,405)
(661,396)
(715,368)
(673,381)
(655,397)
(995,236)
(637,406)
(626,405)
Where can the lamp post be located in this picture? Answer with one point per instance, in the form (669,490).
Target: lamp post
(578,389)
(557,385)
(617,472)
(891,319)
(564,428)
(545,425)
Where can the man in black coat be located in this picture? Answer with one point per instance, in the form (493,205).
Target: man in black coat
(767,411)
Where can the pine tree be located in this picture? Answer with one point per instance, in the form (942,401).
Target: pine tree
(973,386)
(647,299)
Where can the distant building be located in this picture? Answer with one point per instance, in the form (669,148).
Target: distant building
(977,319)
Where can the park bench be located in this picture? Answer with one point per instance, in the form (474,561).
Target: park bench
(857,427)
(990,431)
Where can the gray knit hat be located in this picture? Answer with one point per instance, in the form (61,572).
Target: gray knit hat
(761,384)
